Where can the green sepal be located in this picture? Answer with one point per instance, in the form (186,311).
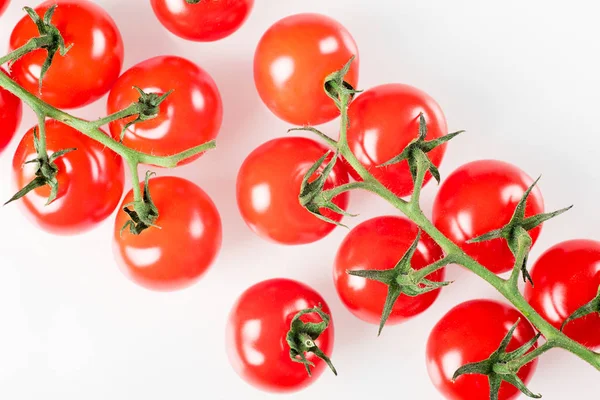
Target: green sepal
(336,87)
(516,232)
(400,279)
(149,107)
(498,367)
(592,307)
(144,213)
(302,336)
(415,153)
(56,44)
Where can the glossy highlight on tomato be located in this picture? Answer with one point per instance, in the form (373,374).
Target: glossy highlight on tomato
(256,335)
(471,332)
(292,60)
(87,71)
(205,21)
(178,253)
(268,186)
(189,117)
(383,121)
(11,111)
(566,277)
(479,197)
(90,181)
(378,244)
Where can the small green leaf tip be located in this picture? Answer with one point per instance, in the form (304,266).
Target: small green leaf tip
(144,213)
(516,232)
(148,107)
(50,39)
(401,279)
(415,153)
(302,337)
(498,366)
(592,307)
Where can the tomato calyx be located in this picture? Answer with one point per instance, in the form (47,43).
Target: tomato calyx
(403,278)
(589,308)
(337,88)
(144,212)
(50,39)
(146,108)
(501,366)
(45,173)
(415,153)
(193,1)
(302,335)
(516,232)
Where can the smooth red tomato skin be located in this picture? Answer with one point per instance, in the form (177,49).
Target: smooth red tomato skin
(11,110)
(268,186)
(383,121)
(206,21)
(291,62)
(91,66)
(256,335)
(91,181)
(188,241)
(566,277)
(481,196)
(189,117)
(471,332)
(3,5)
(379,243)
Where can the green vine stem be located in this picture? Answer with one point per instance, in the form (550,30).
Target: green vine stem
(412,210)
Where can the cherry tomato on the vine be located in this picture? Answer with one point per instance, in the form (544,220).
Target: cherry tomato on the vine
(479,197)
(176,255)
(471,332)
(90,181)
(566,277)
(205,21)
(87,71)
(378,244)
(383,120)
(292,60)
(189,117)
(268,186)
(256,335)
(11,110)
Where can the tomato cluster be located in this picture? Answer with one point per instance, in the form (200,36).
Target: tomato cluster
(292,60)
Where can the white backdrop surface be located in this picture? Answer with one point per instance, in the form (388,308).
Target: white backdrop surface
(520,76)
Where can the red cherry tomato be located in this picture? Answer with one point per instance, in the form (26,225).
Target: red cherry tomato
(379,243)
(11,111)
(91,66)
(205,21)
(189,117)
(3,5)
(268,186)
(479,197)
(256,335)
(383,121)
(566,277)
(471,332)
(176,255)
(90,181)
(291,62)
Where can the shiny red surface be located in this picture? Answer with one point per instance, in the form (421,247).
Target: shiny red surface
(292,60)
(383,121)
(91,66)
(90,181)
(3,6)
(188,241)
(471,332)
(189,117)
(566,277)
(11,111)
(256,335)
(481,196)
(205,21)
(268,186)
(378,244)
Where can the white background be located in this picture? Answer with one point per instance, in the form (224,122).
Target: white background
(522,77)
